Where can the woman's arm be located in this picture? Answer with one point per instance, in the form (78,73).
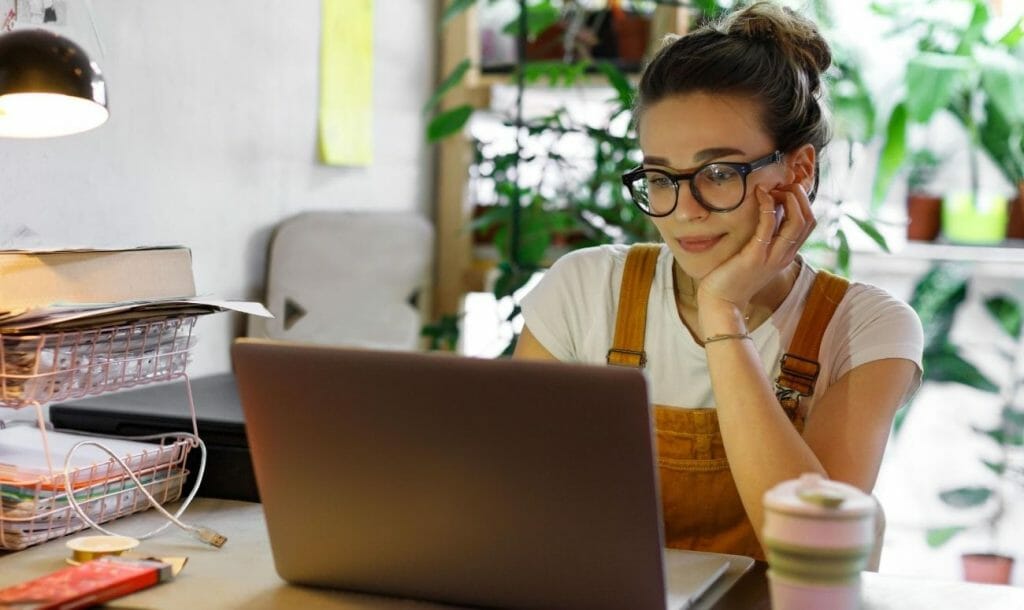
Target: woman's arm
(844,437)
(528,347)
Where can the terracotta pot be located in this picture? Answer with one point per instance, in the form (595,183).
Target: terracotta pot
(632,33)
(924,215)
(987,568)
(1015,226)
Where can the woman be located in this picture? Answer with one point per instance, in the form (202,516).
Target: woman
(731,129)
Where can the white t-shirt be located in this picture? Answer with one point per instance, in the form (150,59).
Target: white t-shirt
(572,313)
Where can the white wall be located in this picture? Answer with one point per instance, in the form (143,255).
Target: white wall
(212,139)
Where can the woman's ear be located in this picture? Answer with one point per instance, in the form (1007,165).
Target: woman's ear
(801,163)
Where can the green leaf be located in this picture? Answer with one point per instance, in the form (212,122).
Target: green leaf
(966,497)
(449,122)
(1013,36)
(539,17)
(893,153)
(997,468)
(1007,312)
(946,364)
(975,29)
(900,417)
(842,253)
(936,299)
(871,231)
(619,81)
(939,536)
(931,80)
(453,9)
(1002,79)
(453,78)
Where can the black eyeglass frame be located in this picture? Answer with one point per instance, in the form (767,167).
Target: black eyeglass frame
(743,169)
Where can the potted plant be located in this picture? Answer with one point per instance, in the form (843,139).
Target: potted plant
(960,69)
(937,298)
(924,206)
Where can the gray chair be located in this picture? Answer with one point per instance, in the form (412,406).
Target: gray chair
(348,278)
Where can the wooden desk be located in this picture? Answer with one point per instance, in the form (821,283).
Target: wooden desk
(241,575)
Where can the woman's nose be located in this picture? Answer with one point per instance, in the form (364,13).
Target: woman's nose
(687,206)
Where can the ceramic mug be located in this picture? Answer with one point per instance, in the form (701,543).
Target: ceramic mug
(819,536)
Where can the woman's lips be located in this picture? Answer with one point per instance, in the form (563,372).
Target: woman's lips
(698,244)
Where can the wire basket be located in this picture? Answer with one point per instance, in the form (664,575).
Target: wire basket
(48,367)
(36,509)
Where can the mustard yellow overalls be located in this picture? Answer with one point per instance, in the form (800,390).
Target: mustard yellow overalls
(700,503)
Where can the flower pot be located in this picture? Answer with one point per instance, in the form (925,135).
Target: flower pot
(924,217)
(987,567)
(965,221)
(632,33)
(1015,226)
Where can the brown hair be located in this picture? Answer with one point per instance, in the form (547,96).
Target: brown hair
(763,51)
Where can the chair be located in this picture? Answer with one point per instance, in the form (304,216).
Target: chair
(347,278)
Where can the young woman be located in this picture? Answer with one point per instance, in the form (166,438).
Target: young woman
(760,367)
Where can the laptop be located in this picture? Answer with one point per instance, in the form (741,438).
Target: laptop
(493,483)
(163,407)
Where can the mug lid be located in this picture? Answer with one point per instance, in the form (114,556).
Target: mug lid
(815,495)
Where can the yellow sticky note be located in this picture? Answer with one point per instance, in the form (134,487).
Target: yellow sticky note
(346,83)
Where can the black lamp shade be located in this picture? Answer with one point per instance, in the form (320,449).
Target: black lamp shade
(48,86)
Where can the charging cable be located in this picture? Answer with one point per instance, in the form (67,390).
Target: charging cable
(204,534)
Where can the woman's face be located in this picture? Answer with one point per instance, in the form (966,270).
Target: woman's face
(680,134)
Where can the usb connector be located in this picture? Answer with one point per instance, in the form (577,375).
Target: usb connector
(209,536)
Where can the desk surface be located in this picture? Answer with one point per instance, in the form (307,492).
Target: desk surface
(241,575)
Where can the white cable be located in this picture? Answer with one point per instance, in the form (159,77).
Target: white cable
(203,533)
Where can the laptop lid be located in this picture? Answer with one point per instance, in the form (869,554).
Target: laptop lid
(500,483)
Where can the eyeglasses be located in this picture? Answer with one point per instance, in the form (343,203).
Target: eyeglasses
(718,187)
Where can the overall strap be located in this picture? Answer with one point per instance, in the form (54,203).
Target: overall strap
(631,317)
(799,365)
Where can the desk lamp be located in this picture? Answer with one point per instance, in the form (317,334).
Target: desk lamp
(48,86)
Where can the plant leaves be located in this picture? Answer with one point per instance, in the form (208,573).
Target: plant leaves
(998,468)
(946,364)
(453,78)
(453,9)
(931,80)
(619,81)
(893,153)
(871,231)
(842,253)
(939,536)
(936,299)
(539,17)
(1007,313)
(966,497)
(448,122)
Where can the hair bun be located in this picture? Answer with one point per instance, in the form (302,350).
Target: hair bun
(795,36)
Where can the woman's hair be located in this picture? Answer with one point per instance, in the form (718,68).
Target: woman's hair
(765,52)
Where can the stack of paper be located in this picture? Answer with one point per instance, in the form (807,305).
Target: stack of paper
(80,322)
(33,502)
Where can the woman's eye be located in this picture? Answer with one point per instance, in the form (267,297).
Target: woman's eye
(657,181)
(718,174)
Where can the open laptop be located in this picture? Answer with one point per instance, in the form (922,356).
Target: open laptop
(496,483)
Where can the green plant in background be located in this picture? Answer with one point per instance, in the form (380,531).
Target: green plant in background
(937,298)
(923,164)
(960,68)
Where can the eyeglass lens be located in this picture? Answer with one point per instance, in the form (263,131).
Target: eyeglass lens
(719,187)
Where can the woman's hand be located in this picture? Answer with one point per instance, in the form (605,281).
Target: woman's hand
(728,289)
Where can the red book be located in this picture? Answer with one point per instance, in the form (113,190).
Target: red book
(85,585)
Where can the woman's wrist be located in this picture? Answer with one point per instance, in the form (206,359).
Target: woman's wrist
(721,318)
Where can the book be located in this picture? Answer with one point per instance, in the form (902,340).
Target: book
(32,279)
(86,585)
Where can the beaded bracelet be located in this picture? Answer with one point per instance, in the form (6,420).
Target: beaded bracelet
(714,338)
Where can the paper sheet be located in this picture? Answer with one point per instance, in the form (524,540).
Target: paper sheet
(346,83)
